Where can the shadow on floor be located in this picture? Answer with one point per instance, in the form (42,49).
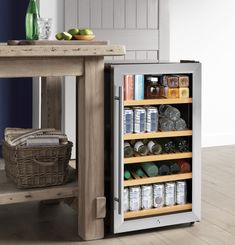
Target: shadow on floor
(25,223)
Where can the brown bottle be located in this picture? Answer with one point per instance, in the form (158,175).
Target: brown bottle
(184,165)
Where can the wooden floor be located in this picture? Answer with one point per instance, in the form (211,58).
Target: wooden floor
(37,224)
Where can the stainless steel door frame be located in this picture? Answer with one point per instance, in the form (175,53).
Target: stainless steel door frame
(170,219)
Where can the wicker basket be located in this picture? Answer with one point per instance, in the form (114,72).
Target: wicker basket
(41,166)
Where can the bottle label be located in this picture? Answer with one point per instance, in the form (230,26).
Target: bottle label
(150,146)
(137,146)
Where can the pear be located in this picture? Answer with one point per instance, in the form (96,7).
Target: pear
(73,31)
(59,36)
(67,36)
(86,31)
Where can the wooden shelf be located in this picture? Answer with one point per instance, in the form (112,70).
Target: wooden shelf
(162,157)
(157,211)
(157,102)
(9,194)
(158,179)
(158,135)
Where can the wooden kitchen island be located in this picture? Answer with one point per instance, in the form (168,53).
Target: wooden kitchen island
(86,62)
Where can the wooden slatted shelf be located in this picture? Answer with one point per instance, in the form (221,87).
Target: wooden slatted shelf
(9,194)
(162,157)
(158,135)
(158,179)
(157,211)
(157,102)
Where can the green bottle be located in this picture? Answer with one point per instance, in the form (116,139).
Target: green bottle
(31,26)
(138,170)
(127,174)
(150,169)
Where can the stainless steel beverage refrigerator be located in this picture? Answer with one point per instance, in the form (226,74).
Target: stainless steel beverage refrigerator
(138,197)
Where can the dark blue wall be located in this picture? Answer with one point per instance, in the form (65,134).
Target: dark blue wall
(15,94)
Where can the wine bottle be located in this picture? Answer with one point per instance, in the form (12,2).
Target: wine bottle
(138,171)
(181,144)
(154,147)
(127,174)
(174,167)
(184,165)
(168,146)
(140,148)
(169,112)
(150,169)
(128,150)
(163,169)
(31,18)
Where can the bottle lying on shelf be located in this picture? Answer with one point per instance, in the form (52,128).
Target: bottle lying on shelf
(150,169)
(184,165)
(154,147)
(140,148)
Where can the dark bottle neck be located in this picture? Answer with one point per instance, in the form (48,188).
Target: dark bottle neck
(33,7)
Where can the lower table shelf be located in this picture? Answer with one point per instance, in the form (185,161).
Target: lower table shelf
(9,194)
(157,211)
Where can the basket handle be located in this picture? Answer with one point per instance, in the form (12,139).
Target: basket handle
(46,164)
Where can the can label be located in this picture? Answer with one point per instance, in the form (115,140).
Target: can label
(126,205)
(128,121)
(135,198)
(152,119)
(128,87)
(139,120)
(147,196)
(139,87)
(170,194)
(181,192)
(158,195)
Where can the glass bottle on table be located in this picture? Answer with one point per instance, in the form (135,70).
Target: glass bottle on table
(31,18)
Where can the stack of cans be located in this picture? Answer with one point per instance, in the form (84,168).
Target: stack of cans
(140,119)
(155,196)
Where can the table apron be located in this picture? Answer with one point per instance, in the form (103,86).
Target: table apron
(41,66)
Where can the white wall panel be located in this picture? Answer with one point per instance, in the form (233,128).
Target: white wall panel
(119,14)
(131,17)
(83,13)
(107,13)
(142,14)
(152,16)
(95,13)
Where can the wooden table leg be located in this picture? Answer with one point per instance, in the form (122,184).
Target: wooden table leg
(51,112)
(91,200)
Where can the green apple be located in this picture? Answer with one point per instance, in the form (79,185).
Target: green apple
(67,36)
(59,36)
(86,31)
(73,31)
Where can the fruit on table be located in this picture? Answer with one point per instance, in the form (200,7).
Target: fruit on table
(59,36)
(67,36)
(74,31)
(86,31)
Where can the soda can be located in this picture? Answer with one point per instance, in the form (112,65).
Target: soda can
(181,192)
(170,189)
(151,119)
(158,195)
(147,196)
(126,200)
(139,87)
(135,198)
(139,120)
(128,87)
(128,121)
